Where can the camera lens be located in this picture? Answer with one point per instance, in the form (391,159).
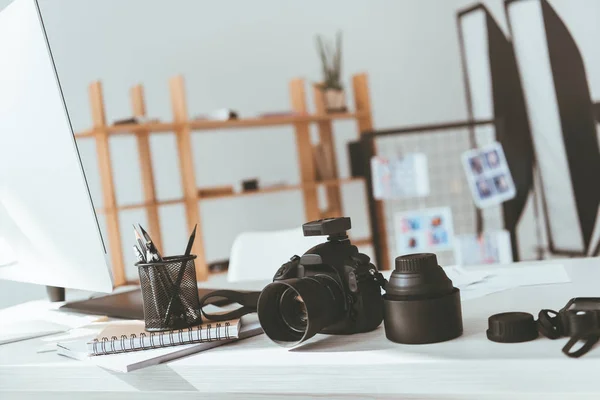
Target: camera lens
(292,311)
(418,276)
(421,305)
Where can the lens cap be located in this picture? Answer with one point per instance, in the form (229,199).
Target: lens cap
(418,275)
(416,262)
(512,327)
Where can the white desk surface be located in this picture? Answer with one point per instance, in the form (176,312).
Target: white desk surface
(356,366)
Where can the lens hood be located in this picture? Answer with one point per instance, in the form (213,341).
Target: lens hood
(421,305)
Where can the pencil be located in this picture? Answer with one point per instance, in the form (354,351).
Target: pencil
(141,244)
(177,286)
(150,245)
(188,249)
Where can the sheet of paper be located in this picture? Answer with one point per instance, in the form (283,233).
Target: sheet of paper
(482,289)
(404,176)
(490,248)
(501,278)
(7,255)
(22,330)
(45,311)
(531,275)
(39,318)
(462,278)
(82,332)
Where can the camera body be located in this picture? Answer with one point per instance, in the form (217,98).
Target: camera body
(349,271)
(579,316)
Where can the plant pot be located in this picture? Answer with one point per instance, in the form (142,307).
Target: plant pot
(335,100)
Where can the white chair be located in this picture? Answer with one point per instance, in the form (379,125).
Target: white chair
(258,255)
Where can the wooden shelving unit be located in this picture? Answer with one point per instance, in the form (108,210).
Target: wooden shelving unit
(183,128)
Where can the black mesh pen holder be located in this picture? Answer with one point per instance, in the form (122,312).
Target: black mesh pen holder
(170,293)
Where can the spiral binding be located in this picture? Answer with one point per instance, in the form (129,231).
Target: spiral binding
(221,332)
(132,338)
(104,340)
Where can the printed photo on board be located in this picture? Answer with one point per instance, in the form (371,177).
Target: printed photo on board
(484,188)
(501,183)
(424,230)
(492,159)
(490,180)
(476,165)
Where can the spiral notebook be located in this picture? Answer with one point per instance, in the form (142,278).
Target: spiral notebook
(133,360)
(127,336)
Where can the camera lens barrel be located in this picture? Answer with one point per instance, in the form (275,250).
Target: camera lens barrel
(323,305)
(421,305)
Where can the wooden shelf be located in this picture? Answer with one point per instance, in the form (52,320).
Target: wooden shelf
(327,183)
(136,206)
(361,242)
(156,127)
(85,134)
(216,273)
(268,121)
(284,188)
(200,125)
(182,128)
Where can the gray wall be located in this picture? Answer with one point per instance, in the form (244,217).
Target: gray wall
(241,55)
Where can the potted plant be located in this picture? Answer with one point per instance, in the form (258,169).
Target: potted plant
(331,60)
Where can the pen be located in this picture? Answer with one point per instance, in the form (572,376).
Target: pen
(149,254)
(141,245)
(180,274)
(138,250)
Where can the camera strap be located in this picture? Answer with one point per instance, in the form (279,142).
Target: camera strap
(378,276)
(588,339)
(549,324)
(247,300)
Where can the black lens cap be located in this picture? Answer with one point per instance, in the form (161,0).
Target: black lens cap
(512,327)
(416,262)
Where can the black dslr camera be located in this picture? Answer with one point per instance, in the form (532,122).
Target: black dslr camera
(332,289)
